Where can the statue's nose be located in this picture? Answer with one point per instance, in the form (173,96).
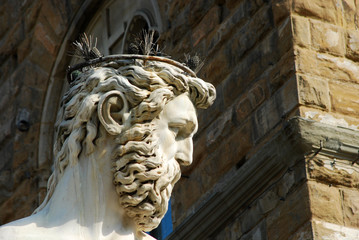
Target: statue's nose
(184,151)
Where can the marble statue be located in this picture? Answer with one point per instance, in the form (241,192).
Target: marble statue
(124,128)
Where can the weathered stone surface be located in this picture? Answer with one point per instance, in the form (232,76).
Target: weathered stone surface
(219,130)
(259,232)
(324,10)
(326,66)
(332,118)
(202,10)
(350,203)
(218,68)
(208,23)
(313,91)
(281,10)
(325,230)
(327,37)
(344,97)
(251,217)
(173,7)
(281,72)
(22,202)
(268,202)
(321,197)
(352,45)
(275,109)
(305,232)
(283,37)
(228,27)
(333,176)
(290,214)
(252,32)
(301,31)
(230,232)
(350,14)
(248,50)
(251,100)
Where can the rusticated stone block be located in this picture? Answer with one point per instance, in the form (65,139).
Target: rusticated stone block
(198,10)
(334,176)
(53,13)
(238,145)
(283,38)
(301,31)
(251,217)
(217,69)
(326,10)
(174,7)
(281,72)
(350,198)
(259,232)
(327,37)
(274,109)
(208,23)
(327,66)
(250,34)
(243,109)
(344,97)
(31,15)
(24,49)
(227,28)
(219,129)
(352,45)
(325,202)
(290,214)
(230,232)
(21,203)
(325,230)
(41,35)
(303,233)
(281,10)
(251,100)
(350,14)
(313,91)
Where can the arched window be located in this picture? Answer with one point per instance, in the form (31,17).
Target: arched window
(117,22)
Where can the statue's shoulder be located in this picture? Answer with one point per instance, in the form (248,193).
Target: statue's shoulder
(24,229)
(14,232)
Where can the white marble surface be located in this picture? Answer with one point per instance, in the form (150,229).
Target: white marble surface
(118,153)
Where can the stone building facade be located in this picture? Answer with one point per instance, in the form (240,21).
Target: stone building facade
(276,156)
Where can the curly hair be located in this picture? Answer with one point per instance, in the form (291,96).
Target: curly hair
(147,87)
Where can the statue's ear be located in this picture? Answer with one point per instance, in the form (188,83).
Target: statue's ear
(111,109)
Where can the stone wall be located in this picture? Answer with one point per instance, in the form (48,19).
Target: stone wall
(31,33)
(270,60)
(326,46)
(248,51)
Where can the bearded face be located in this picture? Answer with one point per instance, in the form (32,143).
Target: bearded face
(146,163)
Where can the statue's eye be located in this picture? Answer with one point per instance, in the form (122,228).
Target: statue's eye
(182,130)
(174,130)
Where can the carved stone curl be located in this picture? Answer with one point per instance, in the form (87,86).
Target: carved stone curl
(123,130)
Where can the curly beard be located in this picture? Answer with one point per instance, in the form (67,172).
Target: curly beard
(143,178)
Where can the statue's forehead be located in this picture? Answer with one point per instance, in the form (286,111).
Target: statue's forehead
(180,108)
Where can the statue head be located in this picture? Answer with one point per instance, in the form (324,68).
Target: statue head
(148,110)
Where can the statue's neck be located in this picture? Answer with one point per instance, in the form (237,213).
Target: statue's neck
(85,200)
